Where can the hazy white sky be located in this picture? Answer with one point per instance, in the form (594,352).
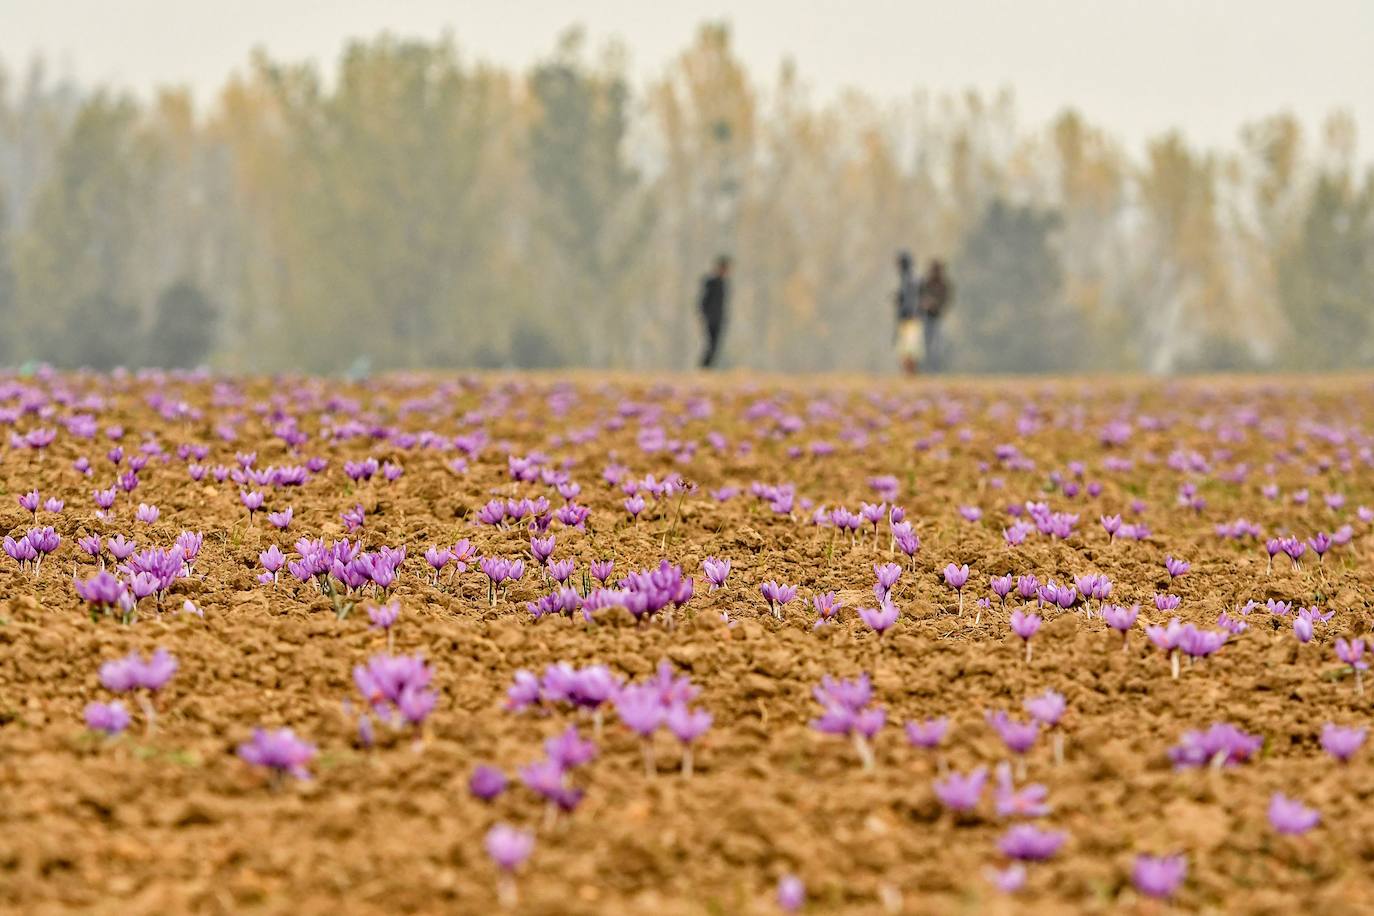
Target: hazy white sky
(1135,66)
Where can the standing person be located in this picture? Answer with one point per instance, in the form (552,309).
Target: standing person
(936,294)
(909,342)
(715,290)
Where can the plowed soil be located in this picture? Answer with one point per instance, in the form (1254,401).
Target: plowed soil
(175,822)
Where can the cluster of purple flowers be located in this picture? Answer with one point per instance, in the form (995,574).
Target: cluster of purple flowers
(30,549)
(663,702)
(644,593)
(1223,744)
(581,688)
(1174,638)
(279,751)
(395,688)
(551,777)
(847,710)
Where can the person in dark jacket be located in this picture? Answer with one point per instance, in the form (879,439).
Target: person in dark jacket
(715,291)
(909,340)
(936,294)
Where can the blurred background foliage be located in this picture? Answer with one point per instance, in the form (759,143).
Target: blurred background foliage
(416,209)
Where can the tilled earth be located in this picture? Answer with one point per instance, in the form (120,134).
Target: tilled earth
(175,821)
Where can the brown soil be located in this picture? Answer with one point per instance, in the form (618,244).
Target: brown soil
(176,822)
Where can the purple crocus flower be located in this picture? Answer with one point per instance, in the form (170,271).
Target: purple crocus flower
(927,734)
(280,520)
(384,617)
(1029,843)
(119,548)
(437,558)
(602,570)
(1001,587)
(959,792)
(354,518)
(101,591)
(509,847)
(272,560)
(1197,643)
(524,692)
(1027,801)
(956,577)
(562,570)
(1025,625)
(908,542)
(1221,745)
(1008,880)
(687,725)
(791,894)
(881,619)
(568,750)
(1168,638)
(847,712)
(395,686)
(1176,568)
(1352,653)
(44,541)
(1121,619)
(872,514)
(887,575)
(1019,737)
(1342,743)
(22,550)
(1047,708)
(541,549)
(109,718)
(133,673)
(30,502)
(1320,544)
(827,606)
(1273,547)
(90,544)
(1159,876)
(716,571)
(486,783)
(252,501)
(280,751)
(640,709)
(1302,628)
(777,596)
(1290,816)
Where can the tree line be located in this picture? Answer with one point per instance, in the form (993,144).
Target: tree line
(414,208)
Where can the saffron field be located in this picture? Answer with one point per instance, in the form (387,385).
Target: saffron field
(595,644)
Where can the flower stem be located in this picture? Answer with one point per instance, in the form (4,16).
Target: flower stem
(505,891)
(149,716)
(650,770)
(865,752)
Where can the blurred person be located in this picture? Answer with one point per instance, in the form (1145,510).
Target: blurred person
(909,340)
(715,291)
(936,292)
